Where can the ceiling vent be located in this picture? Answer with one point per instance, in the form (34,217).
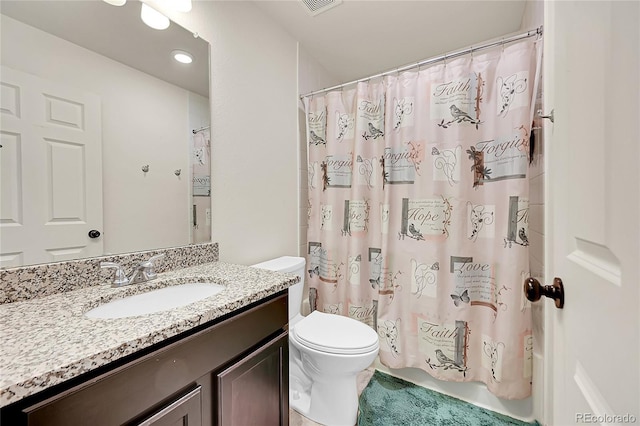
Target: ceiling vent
(315,7)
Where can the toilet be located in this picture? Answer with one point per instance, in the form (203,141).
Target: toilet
(326,353)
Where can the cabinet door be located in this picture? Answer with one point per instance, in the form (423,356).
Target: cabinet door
(255,390)
(184,411)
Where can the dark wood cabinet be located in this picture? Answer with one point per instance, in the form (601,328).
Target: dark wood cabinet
(185,411)
(204,377)
(254,391)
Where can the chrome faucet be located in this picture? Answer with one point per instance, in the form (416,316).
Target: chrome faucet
(145,271)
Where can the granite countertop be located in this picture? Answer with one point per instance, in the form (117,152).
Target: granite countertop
(48,340)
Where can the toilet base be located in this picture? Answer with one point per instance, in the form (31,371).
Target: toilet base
(299,401)
(332,402)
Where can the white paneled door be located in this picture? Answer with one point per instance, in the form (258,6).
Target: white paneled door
(51,177)
(592,363)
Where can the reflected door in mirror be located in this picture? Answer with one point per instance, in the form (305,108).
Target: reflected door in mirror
(51,140)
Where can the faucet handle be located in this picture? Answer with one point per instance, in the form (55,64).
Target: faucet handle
(120,276)
(151,264)
(153,259)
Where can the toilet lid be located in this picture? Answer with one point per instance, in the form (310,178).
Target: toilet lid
(335,334)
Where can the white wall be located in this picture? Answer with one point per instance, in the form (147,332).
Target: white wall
(253,135)
(144,122)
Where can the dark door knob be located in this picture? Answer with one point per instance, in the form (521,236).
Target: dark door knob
(94,233)
(534,290)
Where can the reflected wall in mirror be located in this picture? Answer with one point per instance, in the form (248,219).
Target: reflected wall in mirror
(91,95)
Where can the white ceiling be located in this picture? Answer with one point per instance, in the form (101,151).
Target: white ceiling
(360,38)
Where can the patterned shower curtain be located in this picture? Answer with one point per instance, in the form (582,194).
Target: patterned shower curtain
(418,214)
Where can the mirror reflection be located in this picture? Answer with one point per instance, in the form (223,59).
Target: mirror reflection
(105,136)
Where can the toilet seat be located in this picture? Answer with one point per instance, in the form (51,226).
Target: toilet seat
(335,334)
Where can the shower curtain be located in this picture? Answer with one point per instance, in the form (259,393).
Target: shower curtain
(201,186)
(418,214)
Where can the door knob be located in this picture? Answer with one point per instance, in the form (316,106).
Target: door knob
(94,233)
(534,290)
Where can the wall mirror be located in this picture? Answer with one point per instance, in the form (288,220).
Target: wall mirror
(105,142)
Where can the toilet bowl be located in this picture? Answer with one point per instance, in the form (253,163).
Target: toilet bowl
(326,353)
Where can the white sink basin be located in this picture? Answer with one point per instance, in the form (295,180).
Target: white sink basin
(158,300)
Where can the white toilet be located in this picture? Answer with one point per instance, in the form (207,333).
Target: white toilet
(326,353)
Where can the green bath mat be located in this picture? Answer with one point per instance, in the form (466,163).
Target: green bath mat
(390,401)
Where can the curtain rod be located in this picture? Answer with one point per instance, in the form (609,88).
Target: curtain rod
(530,33)
(200,129)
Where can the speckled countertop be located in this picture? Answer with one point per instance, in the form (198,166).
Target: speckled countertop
(48,340)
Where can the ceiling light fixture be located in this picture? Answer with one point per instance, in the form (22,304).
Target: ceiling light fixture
(182,56)
(153,18)
(116,2)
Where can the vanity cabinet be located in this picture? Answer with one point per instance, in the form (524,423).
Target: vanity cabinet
(231,371)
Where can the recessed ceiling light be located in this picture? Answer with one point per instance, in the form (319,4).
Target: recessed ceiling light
(182,56)
(153,18)
(116,2)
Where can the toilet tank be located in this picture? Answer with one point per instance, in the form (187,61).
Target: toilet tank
(291,265)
